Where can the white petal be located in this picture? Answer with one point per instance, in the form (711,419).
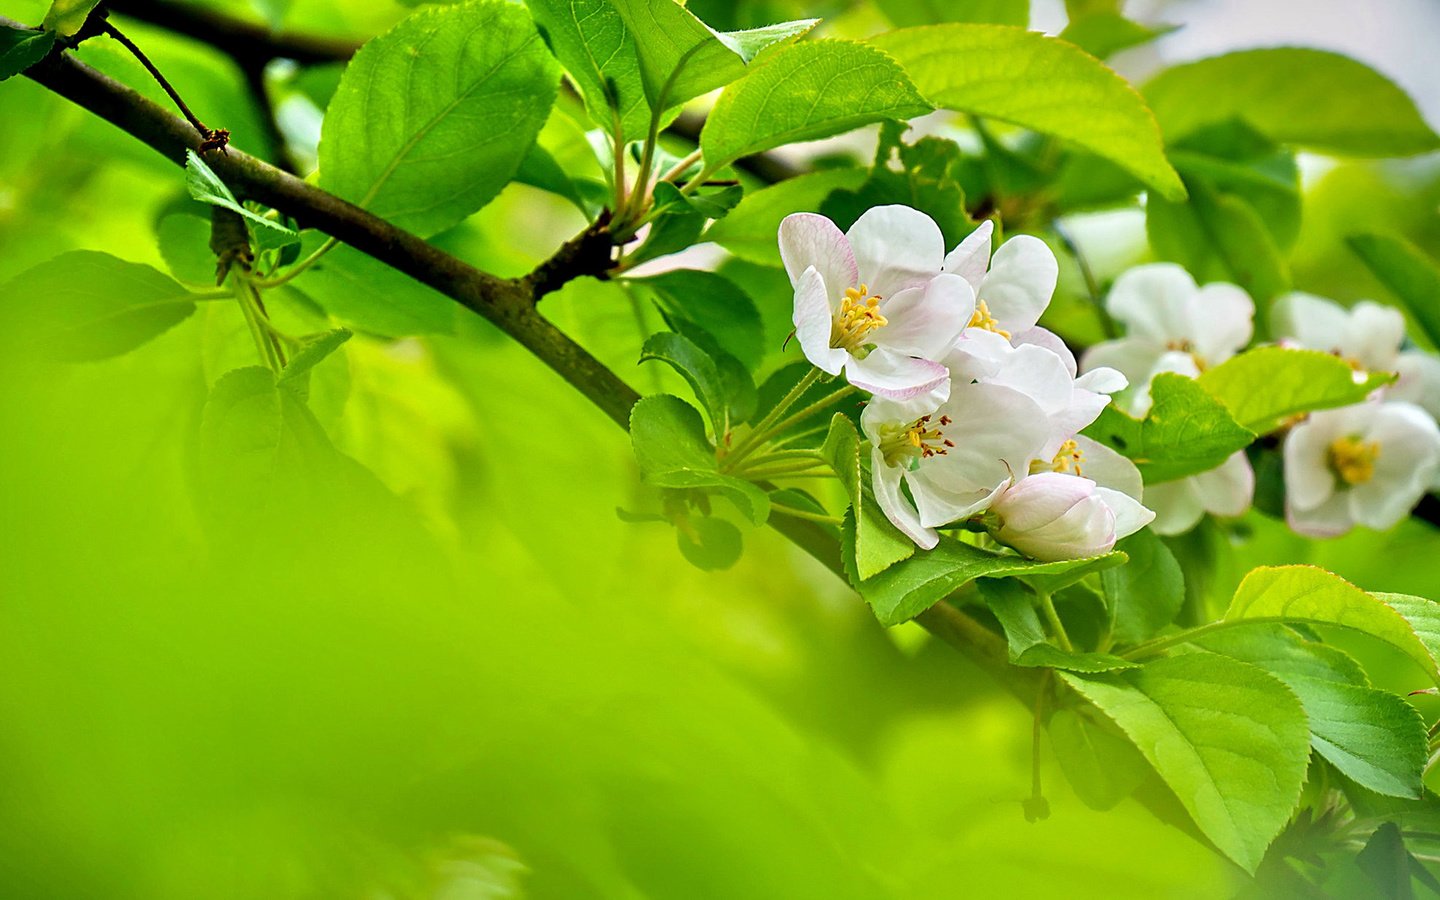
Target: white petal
(1329,519)
(1130,515)
(1044,337)
(1419,381)
(1375,335)
(976,355)
(809,240)
(1153,301)
(1409,454)
(895,375)
(927,321)
(997,431)
(886,481)
(812,320)
(1020,282)
(1133,358)
(1109,469)
(1309,483)
(1229,488)
(971,257)
(896,248)
(1038,374)
(1102,380)
(1314,322)
(1177,506)
(1222,321)
(940,503)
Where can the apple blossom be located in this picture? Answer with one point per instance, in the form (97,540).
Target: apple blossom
(1053,516)
(1367,335)
(1226,490)
(1011,290)
(873,302)
(1365,464)
(1172,325)
(954,458)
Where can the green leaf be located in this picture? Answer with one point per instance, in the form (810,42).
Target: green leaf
(184,242)
(750,230)
(716,305)
(709,543)
(1422,615)
(21,48)
(540,169)
(1103,767)
(1028,644)
(1264,386)
(1230,740)
(698,369)
(66,17)
(871,543)
(1219,227)
(370,296)
(1039,83)
(907,589)
(1310,595)
(905,13)
(1409,274)
(1105,33)
(1145,595)
(313,350)
(1186,431)
(805,92)
(926,178)
(435,116)
(673,452)
(204,185)
(1309,98)
(1374,737)
(85,305)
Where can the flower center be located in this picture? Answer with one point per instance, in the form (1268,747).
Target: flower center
(983,319)
(906,445)
(1353,459)
(1067,460)
(859,315)
(1183,345)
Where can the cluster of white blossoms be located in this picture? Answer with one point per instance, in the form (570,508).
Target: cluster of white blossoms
(975,410)
(1367,464)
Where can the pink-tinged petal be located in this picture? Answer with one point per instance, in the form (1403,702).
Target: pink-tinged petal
(1375,335)
(1309,483)
(1177,506)
(894,375)
(1311,321)
(1102,380)
(940,504)
(1419,381)
(1052,516)
(927,321)
(1134,358)
(813,320)
(1109,469)
(809,240)
(896,248)
(1044,337)
(1222,321)
(1229,488)
(886,481)
(1130,515)
(1020,283)
(1330,519)
(1153,302)
(971,258)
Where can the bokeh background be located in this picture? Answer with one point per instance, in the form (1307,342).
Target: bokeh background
(466,676)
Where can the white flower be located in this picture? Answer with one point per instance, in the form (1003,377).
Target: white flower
(874,302)
(1226,490)
(1052,516)
(1367,336)
(1367,464)
(1038,372)
(1171,326)
(954,460)
(1013,289)
(1419,381)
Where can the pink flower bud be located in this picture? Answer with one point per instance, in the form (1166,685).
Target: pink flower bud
(1054,516)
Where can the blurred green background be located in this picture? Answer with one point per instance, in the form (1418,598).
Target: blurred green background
(465,676)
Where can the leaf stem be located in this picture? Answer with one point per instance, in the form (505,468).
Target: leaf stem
(298,269)
(1047,606)
(139,54)
(1156,646)
(807,412)
(802,514)
(681,167)
(748,444)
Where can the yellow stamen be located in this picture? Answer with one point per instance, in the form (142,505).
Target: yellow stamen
(1067,460)
(905,446)
(983,319)
(1353,460)
(859,315)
